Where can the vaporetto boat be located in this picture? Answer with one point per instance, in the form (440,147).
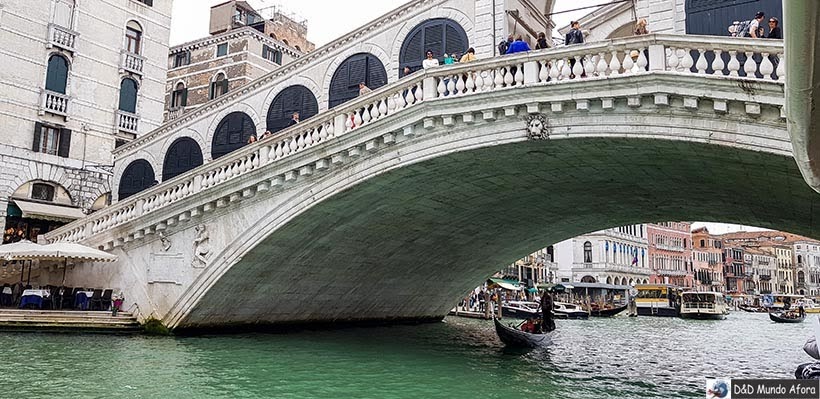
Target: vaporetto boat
(703,305)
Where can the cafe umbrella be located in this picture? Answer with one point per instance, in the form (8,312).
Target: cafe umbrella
(61,251)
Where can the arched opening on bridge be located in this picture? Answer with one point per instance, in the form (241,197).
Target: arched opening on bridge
(232,132)
(295,98)
(440,35)
(609,279)
(183,155)
(359,68)
(588,279)
(138,176)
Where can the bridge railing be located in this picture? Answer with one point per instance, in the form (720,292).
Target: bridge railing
(739,58)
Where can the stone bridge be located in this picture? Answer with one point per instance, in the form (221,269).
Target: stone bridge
(393,205)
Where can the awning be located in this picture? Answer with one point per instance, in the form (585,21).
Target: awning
(505,284)
(27,250)
(37,210)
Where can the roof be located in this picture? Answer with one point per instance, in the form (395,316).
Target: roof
(763,238)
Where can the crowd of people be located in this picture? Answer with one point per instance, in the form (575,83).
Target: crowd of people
(753,28)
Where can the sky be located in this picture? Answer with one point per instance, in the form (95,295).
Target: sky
(328,20)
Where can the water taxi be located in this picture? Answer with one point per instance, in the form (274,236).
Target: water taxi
(809,306)
(657,300)
(565,310)
(703,305)
(521,309)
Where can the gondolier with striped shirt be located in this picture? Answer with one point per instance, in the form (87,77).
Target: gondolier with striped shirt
(548,324)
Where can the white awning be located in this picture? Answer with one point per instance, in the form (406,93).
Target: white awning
(37,210)
(27,250)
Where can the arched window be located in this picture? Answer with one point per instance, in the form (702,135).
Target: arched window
(588,279)
(358,68)
(179,97)
(232,132)
(293,99)
(57,74)
(587,252)
(439,35)
(183,155)
(128,95)
(138,176)
(219,85)
(133,37)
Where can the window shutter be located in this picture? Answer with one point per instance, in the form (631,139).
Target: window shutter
(184,100)
(150,3)
(38,132)
(212,94)
(225,85)
(65,143)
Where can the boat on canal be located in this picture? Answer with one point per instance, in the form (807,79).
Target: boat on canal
(565,310)
(521,309)
(514,337)
(703,305)
(808,304)
(606,311)
(787,317)
(657,300)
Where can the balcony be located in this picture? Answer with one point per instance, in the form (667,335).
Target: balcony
(131,62)
(669,248)
(63,38)
(54,103)
(609,267)
(127,122)
(671,272)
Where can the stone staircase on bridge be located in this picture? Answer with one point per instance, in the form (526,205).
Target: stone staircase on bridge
(67,320)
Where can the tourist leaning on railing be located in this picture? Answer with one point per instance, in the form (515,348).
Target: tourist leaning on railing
(518,46)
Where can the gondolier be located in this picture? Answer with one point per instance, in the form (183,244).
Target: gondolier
(548,324)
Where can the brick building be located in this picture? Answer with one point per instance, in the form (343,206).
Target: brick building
(670,253)
(707,261)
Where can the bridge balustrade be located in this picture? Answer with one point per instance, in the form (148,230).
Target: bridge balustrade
(732,58)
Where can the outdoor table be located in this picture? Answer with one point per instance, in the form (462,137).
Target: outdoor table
(81,299)
(33,297)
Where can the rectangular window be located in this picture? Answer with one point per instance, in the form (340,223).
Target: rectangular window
(51,140)
(149,3)
(43,192)
(271,54)
(222,50)
(132,40)
(182,59)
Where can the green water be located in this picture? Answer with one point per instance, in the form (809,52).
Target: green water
(459,358)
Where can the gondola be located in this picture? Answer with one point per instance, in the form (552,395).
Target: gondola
(516,338)
(606,312)
(778,318)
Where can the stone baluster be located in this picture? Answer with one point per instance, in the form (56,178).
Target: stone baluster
(294,146)
(365,116)
(503,78)
(451,86)
(382,108)
(441,87)
(672,59)
(519,75)
(601,67)
(750,66)
(470,83)
(687,62)
(566,71)
(734,64)
(357,118)
(543,71)
(589,66)
(628,62)
(419,93)
(391,104)
(766,67)
(614,65)
(578,68)
(702,64)
(781,67)
(642,61)
(555,70)
(460,84)
(717,63)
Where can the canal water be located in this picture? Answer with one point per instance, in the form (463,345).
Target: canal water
(642,357)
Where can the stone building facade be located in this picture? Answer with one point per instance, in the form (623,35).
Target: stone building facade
(79,78)
(670,253)
(807,267)
(612,256)
(707,261)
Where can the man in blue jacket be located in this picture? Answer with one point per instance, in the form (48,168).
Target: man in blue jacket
(518,46)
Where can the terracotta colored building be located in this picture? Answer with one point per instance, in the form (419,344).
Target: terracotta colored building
(707,261)
(670,253)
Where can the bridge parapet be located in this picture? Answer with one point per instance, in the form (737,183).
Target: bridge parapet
(713,58)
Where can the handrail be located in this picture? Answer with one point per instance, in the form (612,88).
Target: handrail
(707,43)
(603,60)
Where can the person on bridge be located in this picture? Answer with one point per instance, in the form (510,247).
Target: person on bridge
(468,56)
(294,119)
(430,61)
(518,46)
(541,43)
(363,89)
(754,25)
(504,45)
(640,27)
(774,30)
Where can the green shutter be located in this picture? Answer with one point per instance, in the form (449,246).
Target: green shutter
(225,86)
(184,100)
(38,132)
(65,143)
